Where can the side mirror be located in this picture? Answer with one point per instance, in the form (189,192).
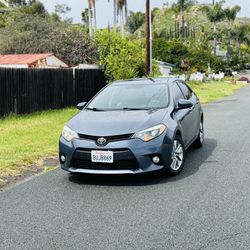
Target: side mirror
(184,104)
(81,105)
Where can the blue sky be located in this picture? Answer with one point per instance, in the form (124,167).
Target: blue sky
(104,10)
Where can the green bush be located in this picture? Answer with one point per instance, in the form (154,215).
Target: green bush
(121,58)
(173,51)
(196,56)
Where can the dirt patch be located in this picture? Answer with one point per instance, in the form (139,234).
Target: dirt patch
(34,169)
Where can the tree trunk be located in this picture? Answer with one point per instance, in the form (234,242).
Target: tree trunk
(94,9)
(215,39)
(122,21)
(115,14)
(90,18)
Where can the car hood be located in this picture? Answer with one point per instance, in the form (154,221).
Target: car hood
(115,122)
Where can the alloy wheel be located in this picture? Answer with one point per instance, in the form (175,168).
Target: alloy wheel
(177,155)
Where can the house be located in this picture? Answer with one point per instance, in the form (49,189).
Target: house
(31,61)
(165,68)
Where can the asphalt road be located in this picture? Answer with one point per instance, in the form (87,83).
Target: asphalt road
(206,207)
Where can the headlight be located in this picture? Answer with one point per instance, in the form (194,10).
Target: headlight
(150,133)
(68,134)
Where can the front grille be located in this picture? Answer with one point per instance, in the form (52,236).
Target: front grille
(123,160)
(108,138)
(117,165)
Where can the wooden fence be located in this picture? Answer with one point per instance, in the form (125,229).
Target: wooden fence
(28,90)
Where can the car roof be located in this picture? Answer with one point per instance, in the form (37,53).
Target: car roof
(159,80)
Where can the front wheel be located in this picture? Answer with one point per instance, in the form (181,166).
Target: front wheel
(177,157)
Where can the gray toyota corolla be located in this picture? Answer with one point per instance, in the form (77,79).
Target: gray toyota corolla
(133,126)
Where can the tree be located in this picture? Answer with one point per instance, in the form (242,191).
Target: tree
(135,20)
(18,2)
(62,10)
(215,14)
(36,34)
(33,8)
(122,13)
(179,8)
(241,34)
(92,16)
(85,17)
(230,14)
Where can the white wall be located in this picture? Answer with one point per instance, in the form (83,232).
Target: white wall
(54,62)
(17,66)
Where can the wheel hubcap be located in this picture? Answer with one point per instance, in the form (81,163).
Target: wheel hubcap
(201,132)
(177,155)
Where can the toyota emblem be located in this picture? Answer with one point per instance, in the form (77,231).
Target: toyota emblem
(101,141)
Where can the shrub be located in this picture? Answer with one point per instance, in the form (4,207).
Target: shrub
(173,51)
(194,56)
(121,58)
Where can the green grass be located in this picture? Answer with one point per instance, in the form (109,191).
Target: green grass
(212,91)
(28,139)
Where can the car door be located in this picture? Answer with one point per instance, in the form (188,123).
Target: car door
(182,116)
(194,112)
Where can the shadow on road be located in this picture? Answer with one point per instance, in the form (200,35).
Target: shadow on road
(194,160)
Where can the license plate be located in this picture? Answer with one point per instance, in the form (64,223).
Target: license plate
(102,156)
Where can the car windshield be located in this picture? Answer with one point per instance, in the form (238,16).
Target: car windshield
(131,97)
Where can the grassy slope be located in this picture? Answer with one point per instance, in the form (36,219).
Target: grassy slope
(29,138)
(26,139)
(209,92)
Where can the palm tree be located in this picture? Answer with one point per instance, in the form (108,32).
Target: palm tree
(179,8)
(91,14)
(115,13)
(215,14)
(242,35)
(230,14)
(122,10)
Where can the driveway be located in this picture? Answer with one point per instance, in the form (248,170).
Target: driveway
(206,207)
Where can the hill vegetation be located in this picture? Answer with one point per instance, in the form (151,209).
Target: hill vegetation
(194,38)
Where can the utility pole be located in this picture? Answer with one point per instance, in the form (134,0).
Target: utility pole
(148,39)
(182,19)
(213,2)
(228,48)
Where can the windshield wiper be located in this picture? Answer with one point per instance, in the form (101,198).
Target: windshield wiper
(95,109)
(126,108)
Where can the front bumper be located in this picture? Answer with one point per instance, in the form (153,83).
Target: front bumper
(130,156)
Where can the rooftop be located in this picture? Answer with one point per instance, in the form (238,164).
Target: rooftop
(22,58)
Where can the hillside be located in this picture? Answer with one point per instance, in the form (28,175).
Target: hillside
(165,21)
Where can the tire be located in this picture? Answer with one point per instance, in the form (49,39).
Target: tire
(178,157)
(198,143)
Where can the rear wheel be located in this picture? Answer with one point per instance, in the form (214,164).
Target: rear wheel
(177,157)
(200,139)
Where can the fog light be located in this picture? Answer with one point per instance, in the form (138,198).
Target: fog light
(63,158)
(156,159)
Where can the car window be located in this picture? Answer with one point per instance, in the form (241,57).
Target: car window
(177,94)
(185,90)
(134,96)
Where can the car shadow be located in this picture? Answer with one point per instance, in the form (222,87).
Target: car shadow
(194,160)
